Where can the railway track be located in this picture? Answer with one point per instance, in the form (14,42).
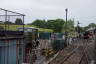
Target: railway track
(73,58)
(75,54)
(62,54)
(89,52)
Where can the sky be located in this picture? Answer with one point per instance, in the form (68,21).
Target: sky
(83,11)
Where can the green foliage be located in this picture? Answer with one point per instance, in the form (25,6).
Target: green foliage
(8,22)
(79,29)
(83,29)
(40,29)
(56,25)
(45,30)
(91,25)
(39,23)
(15,27)
(18,21)
(69,26)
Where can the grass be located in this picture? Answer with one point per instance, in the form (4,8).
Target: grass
(15,27)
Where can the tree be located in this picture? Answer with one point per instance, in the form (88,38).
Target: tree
(69,27)
(18,21)
(79,29)
(50,24)
(56,25)
(8,22)
(91,25)
(39,23)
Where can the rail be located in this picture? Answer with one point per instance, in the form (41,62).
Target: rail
(79,51)
(69,55)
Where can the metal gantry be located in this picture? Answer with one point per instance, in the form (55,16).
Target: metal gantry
(10,16)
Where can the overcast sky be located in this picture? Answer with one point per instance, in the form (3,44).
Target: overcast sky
(83,11)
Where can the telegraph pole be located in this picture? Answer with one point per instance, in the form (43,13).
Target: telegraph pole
(66,15)
(78,28)
(66,33)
